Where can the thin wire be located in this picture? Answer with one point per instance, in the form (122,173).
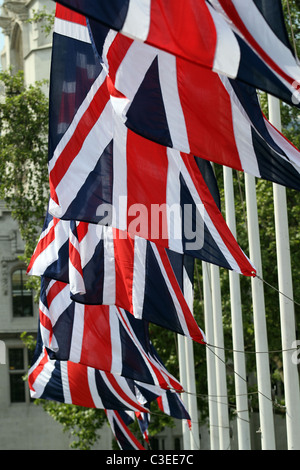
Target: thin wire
(275,404)
(245,223)
(277,290)
(252,352)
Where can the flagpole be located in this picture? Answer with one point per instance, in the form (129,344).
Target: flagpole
(259,318)
(191,440)
(243,426)
(223,418)
(287,314)
(184,383)
(188,278)
(210,359)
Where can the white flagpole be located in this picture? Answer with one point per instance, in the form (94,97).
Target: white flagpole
(190,367)
(243,425)
(191,439)
(184,383)
(223,418)
(210,359)
(260,329)
(287,314)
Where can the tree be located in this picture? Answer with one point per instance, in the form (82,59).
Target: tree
(23,155)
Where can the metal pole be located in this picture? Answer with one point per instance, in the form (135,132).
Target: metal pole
(287,314)
(190,366)
(184,383)
(260,328)
(223,417)
(243,425)
(210,359)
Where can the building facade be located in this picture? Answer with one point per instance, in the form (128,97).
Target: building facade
(23,425)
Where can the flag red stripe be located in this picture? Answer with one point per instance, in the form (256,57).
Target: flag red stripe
(124,264)
(148,189)
(82,229)
(43,244)
(207,105)
(79,385)
(175,28)
(97,336)
(46,323)
(66,14)
(116,54)
(54,290)
(75,258)
(37,370)
(84,127)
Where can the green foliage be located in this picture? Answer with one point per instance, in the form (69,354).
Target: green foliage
(44,18)
(23,155)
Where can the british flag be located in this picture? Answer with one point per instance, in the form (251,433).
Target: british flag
(134,274)
(99,336)
(59,381)
(245,40)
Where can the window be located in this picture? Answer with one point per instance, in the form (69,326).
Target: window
(18,361)
(21,297)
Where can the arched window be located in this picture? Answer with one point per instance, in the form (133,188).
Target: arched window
(21,296)
(16,51)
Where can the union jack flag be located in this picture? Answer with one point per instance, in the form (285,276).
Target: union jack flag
(136,275)
(103,337)
(245,40)
(59,381)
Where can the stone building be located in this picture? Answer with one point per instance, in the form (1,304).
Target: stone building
(23,425)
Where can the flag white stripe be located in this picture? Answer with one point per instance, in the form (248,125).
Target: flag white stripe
(169,88)
(139,276)
(137,21)
(65,382)
(77,332)
(119,176)
(116,344)
(174,218)
(59,303)
(109,281)
(227,54)
(72,30)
